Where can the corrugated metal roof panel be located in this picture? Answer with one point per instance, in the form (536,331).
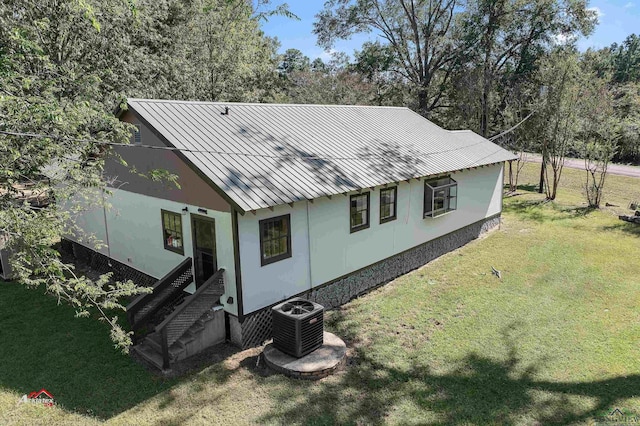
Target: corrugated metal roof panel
(262,155)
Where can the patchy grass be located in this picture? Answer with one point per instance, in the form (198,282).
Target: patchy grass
(553,341)
(44,346)
(618,190)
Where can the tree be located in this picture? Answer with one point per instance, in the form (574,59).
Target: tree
(334,82)
(555,120)
(598,135)
(626,106)
(508,38)
(419,35)
(53,133)
(228,57)
(626,60)
(374,63)
(64,66)
(293,60)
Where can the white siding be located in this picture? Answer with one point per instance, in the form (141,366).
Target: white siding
(263,285)
(135,238)
(335,252)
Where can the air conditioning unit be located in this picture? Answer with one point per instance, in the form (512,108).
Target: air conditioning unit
(298,326)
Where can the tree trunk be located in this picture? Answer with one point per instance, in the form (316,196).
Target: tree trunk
(423,101)
(542,170)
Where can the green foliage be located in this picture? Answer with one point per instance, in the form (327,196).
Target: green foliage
(418,35)
(505,41)
(625,60)
(555,123)
(620,66)
(293,60)
(51,87)
(598,135)
(334,82)
(460,61)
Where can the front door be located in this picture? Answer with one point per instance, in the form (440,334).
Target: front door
(204,248)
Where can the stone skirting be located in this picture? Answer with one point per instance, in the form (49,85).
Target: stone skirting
(103,264)
(256,327)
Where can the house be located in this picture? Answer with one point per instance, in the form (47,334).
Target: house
(276,201)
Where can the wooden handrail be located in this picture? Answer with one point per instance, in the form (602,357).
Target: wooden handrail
(162,328)
(142,300)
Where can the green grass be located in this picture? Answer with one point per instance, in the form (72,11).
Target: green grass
(553,341)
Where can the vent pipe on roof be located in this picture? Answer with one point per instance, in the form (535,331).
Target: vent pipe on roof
(226,111)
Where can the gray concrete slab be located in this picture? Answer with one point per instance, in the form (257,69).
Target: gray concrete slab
(319,363)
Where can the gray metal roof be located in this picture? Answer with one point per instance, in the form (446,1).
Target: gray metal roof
(263,155)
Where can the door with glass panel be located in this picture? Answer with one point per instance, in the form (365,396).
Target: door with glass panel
(204,248)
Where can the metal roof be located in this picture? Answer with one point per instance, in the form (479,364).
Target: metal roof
(263,155)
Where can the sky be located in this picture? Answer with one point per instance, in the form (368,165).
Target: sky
(617,20)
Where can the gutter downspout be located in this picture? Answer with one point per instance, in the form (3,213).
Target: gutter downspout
(237,265)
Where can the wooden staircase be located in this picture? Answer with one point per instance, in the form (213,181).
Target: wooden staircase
(168,325)
(144,310)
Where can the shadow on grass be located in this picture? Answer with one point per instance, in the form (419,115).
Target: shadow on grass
(544,211)
(44,346)
(528,187)
(479,390)
(629,228)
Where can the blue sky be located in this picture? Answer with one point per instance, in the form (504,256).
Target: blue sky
(618,19)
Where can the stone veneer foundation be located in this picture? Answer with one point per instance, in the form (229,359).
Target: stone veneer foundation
(255,329)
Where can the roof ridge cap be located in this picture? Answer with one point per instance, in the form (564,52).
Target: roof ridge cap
(266,104)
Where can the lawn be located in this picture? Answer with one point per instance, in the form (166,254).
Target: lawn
(553,341)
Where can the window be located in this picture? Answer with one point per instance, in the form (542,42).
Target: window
(172,231)
(275,239)
(136,136)
(388,204)
(359,212)
(440,196)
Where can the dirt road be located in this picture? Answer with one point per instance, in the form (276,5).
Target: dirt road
(577,163)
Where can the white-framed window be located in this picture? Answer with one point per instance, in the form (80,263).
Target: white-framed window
(440,196)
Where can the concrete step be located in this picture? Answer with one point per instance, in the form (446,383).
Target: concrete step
(150,348)
(154,341)
(149,355)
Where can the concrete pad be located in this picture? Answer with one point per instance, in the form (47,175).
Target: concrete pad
(316,365)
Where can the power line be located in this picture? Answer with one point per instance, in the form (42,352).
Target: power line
(492,138)
(244,154)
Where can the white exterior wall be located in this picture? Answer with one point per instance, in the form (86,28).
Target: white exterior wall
(135,237)
(263,285)
(323,248)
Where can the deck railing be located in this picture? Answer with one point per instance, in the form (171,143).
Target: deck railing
(188,312)
(143,308)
